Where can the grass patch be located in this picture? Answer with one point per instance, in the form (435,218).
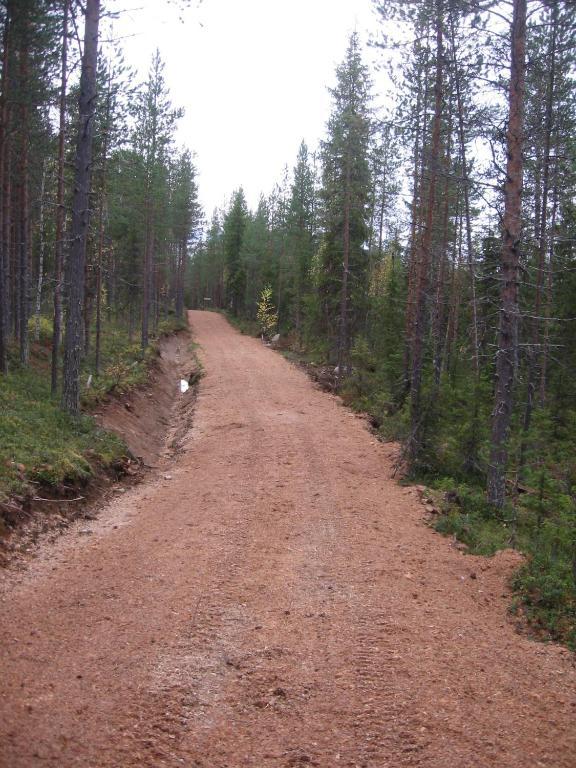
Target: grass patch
(40,443)
(542,529)
(244,325)
(199,371)
(171,324)
(124,365)
(539,520)
(482,537)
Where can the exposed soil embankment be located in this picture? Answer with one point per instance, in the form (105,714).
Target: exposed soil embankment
(148,419)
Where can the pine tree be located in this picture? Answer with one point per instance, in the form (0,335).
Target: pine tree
(510,263)
(423,251)
(75,267)
(27,68)
(4,187)
(155,120)
(110,130)
(301,230)
(185,213)
(209,267)
(256,255)
(345,197)
(234,231)
(60,199)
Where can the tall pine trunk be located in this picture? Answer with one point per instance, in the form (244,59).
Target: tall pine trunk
(24,196)
(75,267)
(60,210)
(422,270)
(510,264)
(549,290)
(4,189)
(42,247)
(100,253)
(181,272)
(343,330)
(439,312)
(147,279)
(466,193)
(541,222)
(416,213)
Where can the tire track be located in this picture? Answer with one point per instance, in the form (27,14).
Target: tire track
(277,602)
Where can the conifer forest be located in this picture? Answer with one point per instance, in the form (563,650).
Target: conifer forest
(419,261)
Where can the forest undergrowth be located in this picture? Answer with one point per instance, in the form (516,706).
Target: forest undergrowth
(42,445)
(538,518)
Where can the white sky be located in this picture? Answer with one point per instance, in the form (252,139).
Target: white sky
(252,76)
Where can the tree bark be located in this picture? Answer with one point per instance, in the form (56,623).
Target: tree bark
(24,201)
(384,190)
(60,210)
(439,313)
(80,212)
(4,188)
(147,279)
(100,253)
(543,238)
(417,182)
(343,340)
(422,276)
(40,280)
(181,272)
(7,235)
(534,351)
(466,193)
(510,264)
(455,291)
(549,286)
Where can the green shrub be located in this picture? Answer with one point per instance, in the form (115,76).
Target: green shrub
(171,324)
(42,444)
(541,524)
(45,328)
(267,315)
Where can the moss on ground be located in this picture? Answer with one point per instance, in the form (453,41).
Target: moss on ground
(39,443)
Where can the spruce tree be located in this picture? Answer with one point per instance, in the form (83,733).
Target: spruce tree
(301,230)
(234,231)
(256,256)
(185,215)
(345,199)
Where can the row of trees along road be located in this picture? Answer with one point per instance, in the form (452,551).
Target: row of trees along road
(427,250)
(98,208)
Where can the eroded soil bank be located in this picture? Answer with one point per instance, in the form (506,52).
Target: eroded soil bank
(275,599)
(149,419)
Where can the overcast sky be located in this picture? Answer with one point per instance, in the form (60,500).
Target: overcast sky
(252,76)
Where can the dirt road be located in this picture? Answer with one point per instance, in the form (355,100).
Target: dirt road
(275,600)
